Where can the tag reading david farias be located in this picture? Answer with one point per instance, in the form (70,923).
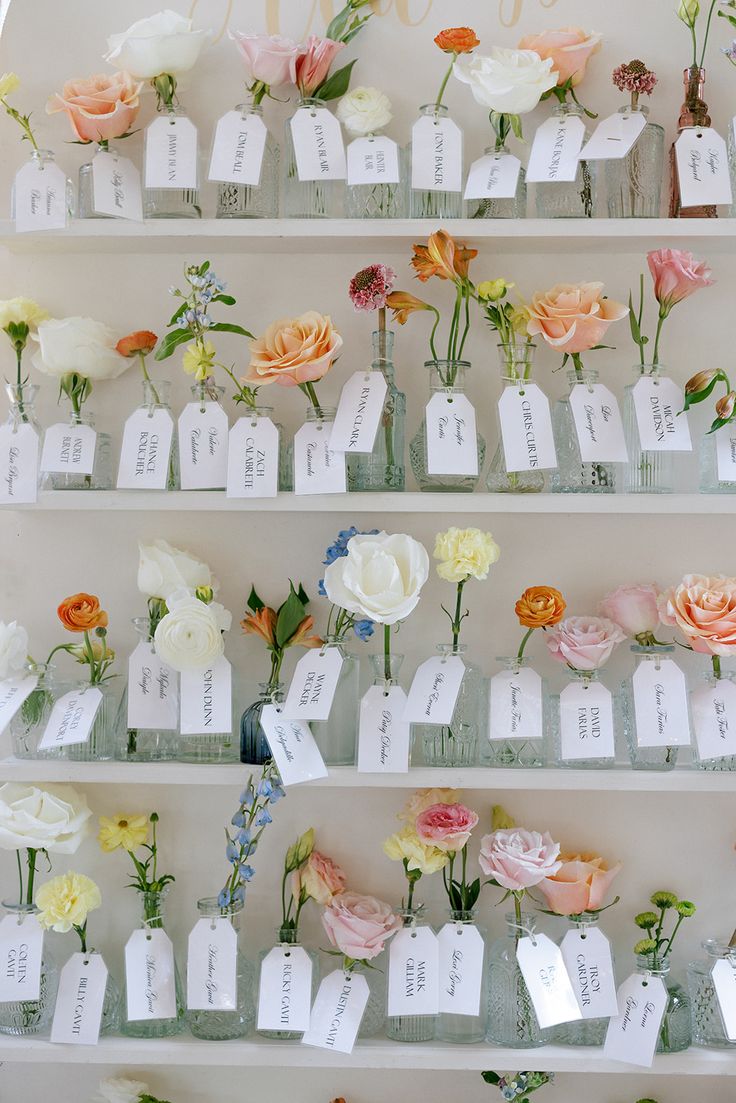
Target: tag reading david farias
(171,153)
(723,975)
(436,155)
(414,972)
(495,176)
(79,1003)
(633,1034)
(598,424)
(253,459)
(526,429)
(19,454)
(150,975)
(293,747)
(285,989)
(146,450)
(40,198)
(587,956)
(313,685)
(337,1012)
(702,167)
(555,151)
(660,704)
(319,150)
(359,413)
(516,709)
(714,719)
(726,453)
(203,446)
(383,734)
(237,149)
(452,442)
(373,160)
(21,949)
(544,972)
(317,468)
(586,722)
(69,448)
(212,958)
(116,187)
(206,699)
(460,948)
(13,692)
(662,427)
(615,136)
(434,690)
(153,691)
(71,718)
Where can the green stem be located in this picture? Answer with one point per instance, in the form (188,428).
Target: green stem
(660,323)
(410,898)
(695,44)
(438,102)
(707,32)
(20,875)
(309,391)
(466,328)
(82,932)
(387,652)
(523,644)
(19,373)
(578,365)
(31,860)
(716,660)
(517,912)
(433,334)
(641,315)
(22,121)
(457,622)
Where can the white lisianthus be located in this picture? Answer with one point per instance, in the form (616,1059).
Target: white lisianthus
(380,578)
(163,569)
(117,1089)
(53,818)
(509,82)
(13,649)
(688,12)
(162,43)
(20,311)
(79,345)
(364,111)
(465,553)
(189,637)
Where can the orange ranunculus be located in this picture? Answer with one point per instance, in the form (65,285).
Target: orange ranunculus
(141,341)
(443,257)
(540,607)
(300,637)
(580,884)
(261,623)
(403,303)
(457,40)
(82,613)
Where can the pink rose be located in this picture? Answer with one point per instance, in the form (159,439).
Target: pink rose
(676,275)
(573,317)
(585,643)
(320,878)
(579,885)
(268,58)
(313,63)
(704,609)
(101,108)
(359,926)
(570,49)
(422,799)
(518,859)
(446,826)
(634,609)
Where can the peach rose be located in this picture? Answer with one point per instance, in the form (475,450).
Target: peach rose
(359,926)
(704,609)
(573,317)
(320,878)
(540,607)
(446,826)
(580,884)
(569,48)
(82,613)
(100,108)
(293,351)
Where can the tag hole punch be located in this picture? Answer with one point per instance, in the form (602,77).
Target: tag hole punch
(413,934)
(699,135)
(287,953)
(320,427)
(386,693)
(149,936)
(213,924)
(85,962)
(645,984)
(583,935)
(521,394)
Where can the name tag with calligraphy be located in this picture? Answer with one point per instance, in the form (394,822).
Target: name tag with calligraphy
(338,1011)
(555,155)
(71,719)
(359,413)
(702,167)
(318,469)
(373,160)
(662,427)
(150,975)
(153,691)
(171,153)
(253,459)
(21,949)
(452,442)
(79,1003)
(516,705)
(212,981)
(434,690)
(586,722)
(285,989)
(723,974)
(383,733)
(598,424)
(69,448)
(203,446)
(13,692)
(526,429)
(726,453)
(116,186)
(494,176)
(238,148)
(589,963)
(543,969)
(319,151)
(40,200)
(714,719)
(460,948)
(414,972)
(313,685)
(19,453)
(436,155)
(293,747)
(633,1034)
(660,705)
(206,699)
(146,450)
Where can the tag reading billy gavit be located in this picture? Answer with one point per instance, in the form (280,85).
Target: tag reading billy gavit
(587,955)
(452,443)
(526,429)
(543,969)
(79,1003)
(414,972)
(313,685)
(383,734)
(285,989)
(661,424)
(702,167)
(359,413)
(434,690)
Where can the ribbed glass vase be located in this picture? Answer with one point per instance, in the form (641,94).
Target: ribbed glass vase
(582,1032)
(456,744)
(254,748)
(411,1028)
(675,1034)
(516,363)
(513,207)
(430,203)
(569,199)
(220,1025)
(466,1029)
(646,472)
(29,723)
(172,202)
(259,200)
(286,939)
(643,758)
(707,1019)
(337,737)
(22,1017)
(309,198)
(145,744)
(634,182)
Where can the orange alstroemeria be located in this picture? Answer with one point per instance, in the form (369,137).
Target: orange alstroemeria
(443,257)
(403,303)
(300,637)
(261,623)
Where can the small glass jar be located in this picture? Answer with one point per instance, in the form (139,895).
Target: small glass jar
(383,470)
(172,202)
(101,476)
(456,744)
(426,203)
(337,737)
(259,200)
(643,758)
(153,919)
(29,723)
(707,1020)
(583,678)
(675,1032)
(286,939)
(309,198)
(145,744)
(217,747)
(634,182)
(466,1029)
(516,362)
(512,1020)
(254,748)
(378,200)
(573,475)
(224,1024)
(514,206)
(157,397)
(41,158)
(102,741)
(22,1017)
(710,481)
(582,1032)
(448,377)
(573,198)
(411,1028)
(86,187)
(646,472)
(22,412)
(323,415)
(723,763)
(518,753)
(285,458)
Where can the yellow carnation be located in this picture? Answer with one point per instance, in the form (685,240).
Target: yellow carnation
(122,832)
(20,310)
(423,799)
(8,83)
(406,845)
(65,901)
(198,360)
(465,553)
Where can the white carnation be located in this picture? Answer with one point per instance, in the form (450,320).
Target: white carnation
(364,111)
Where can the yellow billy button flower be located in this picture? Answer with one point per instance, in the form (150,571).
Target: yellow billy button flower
(122,832)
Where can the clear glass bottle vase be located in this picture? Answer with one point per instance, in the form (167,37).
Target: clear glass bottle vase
(29,723)
(518,753)
(374,1016)
(448,377)
(42,158)
(582,1032)
(643,758)
(100,477)
(215,747)
(153,919)
(512,1020)
(675,1033)
(425,202)
(707,1020)
(23,1017)
(710,480)
(646,472)
(456,744)
(236,1022)
(516,363)
(573,475)
(337,737)
(383,469)
(466,1029)
(259,200)
(172,202)
(694,112)
(22,412)
(144,744)
(513,207)
(411,1028)
(584,678)
(574,198)
(287,938)
(101,744)
(711,677)
(634,182)
(156,398)
(309,198)
(85,186)
(378,200)
(254,748)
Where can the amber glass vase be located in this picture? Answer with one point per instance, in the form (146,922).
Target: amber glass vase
(694,112)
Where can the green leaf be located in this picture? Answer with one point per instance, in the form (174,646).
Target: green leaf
(254,602)
(204,267)
(290,616)
(171,342)
(634,324)
(718,424)
(491,1078)
(178,313)
(336,85)
(228,300)
(302,595)
(227,327)
(700,396)
(516,127)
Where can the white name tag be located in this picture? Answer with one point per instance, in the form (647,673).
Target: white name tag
(206,698)
(633,1034)
(726,453)
(526,429)
(253,459)
(337,1013)
(586,722)
(660,705)
(662,428)
(359,413)
(460,948)
(116,186)
(69,448)
(452,443)
(714,719)
(146,450)
(598,424)
(171,153)
(21,949)
(79,1003)
(516,705)
(150,975)
(237,150)
(317,468)
(544,972)
(614,137)
(434,690)
(40,198)
(212,958)
(373,160)
(436,155)
(71,718)
(13,692)
(724,982)
(702,167)
(589,964)
(555,154)
(19,453)
(414,972)
(383,734)
(318,146)
(313,685)
(494,176)
(153,691)
(293,747)
(203,446)
(285,989)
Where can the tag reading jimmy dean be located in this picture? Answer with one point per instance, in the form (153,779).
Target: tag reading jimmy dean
(494,176)
(598,424)
(414,972)
(662,427)
(383,734)
(555,151)
(317,468)
(586,722)
(615,136)
(589,963)
(13,692)
(212,957)
(318,146)
(516,705)
(526,429)
(203,446)
(237,149)
(714,719)
(79,1003)
(171,153)
(153,691)
(146,450)
(285,989)
(313,685)
(19,453)
(452,443)
(702,167)
(40,198)
(373,160)
(206,699)
(460,948)
(253,459)
(293,747)
(21,947)
(633,1034)
(436,155)
(359,413)
(726,453)
(723,975)
(116,186)
(337,1013)
(69,448)
(71,718)
(150,975)
(660,705)
(434,690)
(543,969)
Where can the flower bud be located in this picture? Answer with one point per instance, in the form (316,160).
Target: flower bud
(700,381)
(725,406)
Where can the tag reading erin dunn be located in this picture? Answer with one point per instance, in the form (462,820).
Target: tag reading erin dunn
(212,958)
(383,734)
(337,1012)
(285,989)
(434,690)
(313,685)
(452,443)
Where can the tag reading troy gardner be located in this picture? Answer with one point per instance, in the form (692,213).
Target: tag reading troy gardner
(495,176)
(293,747)
(662,427)
(71,718)
(436,155)
(21,947)
(434,690)
(660,704)
(359,413)
(150,975)
(598,424)
(373,160)
(78,1011)
(586,722)
(587,956)
(702,167)
(285,989)
(19,452)
(40,197)
(452,444)
(171,153)
(516,705)
(313,685)
(253,459)
(206,699)
(526,429)
(337,1013)
(383,734)
(69,448)
(237,150)
(203,442)
(413,972)
(460,947)
(714,719)
(319,151)
(633,1034)
(116,186)
(153,696)
(724,982)
(317,468)
(556,151)
(144,456)
(543,969)
(212,953)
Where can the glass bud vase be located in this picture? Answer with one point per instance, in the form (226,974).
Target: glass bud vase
(583,678)
(646,472)
(448,377)
(85,187)
(582,1032)
(215,747)
(374,1016)
(675,1032)
(172,202)
(309,198)
(101,475)
(22,413)
(153,919)
(710,480)
(516,362)
(383,469)
(287,937)
(102,741)
(254,748)
(456,744)
(466,1029)
(156,398)
(643,758)
(707,1020)
(427,203)
(41,158)
(513,207)
(731,147)
(518,753)
(512,1020)
(573,198)
(259,200)
(220,1025)
(634,182)
(29,723)
(21,1017)
(144,744)
(694,112)
(572,475)
(411,1028)
(337,737)
(711,679)
(378,200)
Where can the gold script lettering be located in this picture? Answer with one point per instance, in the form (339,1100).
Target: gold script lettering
(509,11)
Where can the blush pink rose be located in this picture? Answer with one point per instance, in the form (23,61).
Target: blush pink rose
(573,317)
(633,608)
(101,108)
(319,877)
(294,351)
(569,48)
(268,58)
(676,274)
(446,826)
(313,62)
(359,926)
(580,885)
(704,609)
(585,643)
(518,859)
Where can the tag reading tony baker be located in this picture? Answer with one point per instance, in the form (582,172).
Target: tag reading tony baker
(383,734)
(212,956)
(203,445)
(702,167)
(516,705)
(153,691)
(436,155)
(598,424)
(206,699)
(337,1013)
(150,975)
(293,747)
(452,443)
(662,427)
(253,459)
(313,685)
(633,1034)
(285,989)
(79,1003)
(434,690)
(146,450)
(171,153)
(555,151)
(359,413)
(21,947)
(237,149)
(318,146)
(69,448)
(414,972)
(526,429)
(19,453)
(543,969)
(586,722)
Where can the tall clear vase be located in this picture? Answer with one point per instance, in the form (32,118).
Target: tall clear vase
(411,1028)
(144,744)
(287,938)
(466,1029)
(29,723)
(447,377)
(309,198)
(337,737)
(573,475)
(153,919)
(574,198)
(675,1034)
(157,398)
(101,476)
(456,744)
(582,1032)
(517,363)
(707,1019)
(512,1020)
(643,758)
(646,472)
(694,112)
(426,202)
(23,1017)
(515,753)
(513,207)
(236,1022)
(374,1016)
(172,202)
(378,200)
(634,182)
(254,748)
(259,200)
(383,469)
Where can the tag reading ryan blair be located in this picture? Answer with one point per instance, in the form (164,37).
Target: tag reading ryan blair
(723,974)
(19,454)
(237,149)
(359,413)
(587,956)
(660,705)
(71,718)
(206,699)
(146,449)
(21,947)
(150,975)
(526,429)
(586,722)
(662,427)
(13,692)
(452,443)
(116,186)
(293,747)
(436,155)
(40,197)
(373,160)
(598,424)
(516,705)
(253,459)
(383,734)
(285,989)
(543,969)
(318,469)
(702,167)
(337,1013)
(203,442)
(153,695)
(414,972)
(460,948)
(714,719)
(79,1003)
(69,448)
(171,153)
(318,146)
(212,982)
(633,1034)
(313,685)
(434,689)
(556,151)
(614,137)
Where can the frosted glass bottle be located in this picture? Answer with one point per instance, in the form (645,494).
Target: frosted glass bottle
(573,199)
(101,476)
(514,207)
(448,377)
(516,362)
(23,1017)
(643,758)
(286,939)
(518,753)
(675,1033)
(144,744)
(584,678)
(466,1029)
(309,198)
(411,1028)
(456,744)
(220,1025)
(337,736)
(259,200)
(512,1020)
(383,470)
(425,203)
(634,182)
(646,472)
(172,202)
(153,919)
(572,475)
(582,1032)
(707,1020)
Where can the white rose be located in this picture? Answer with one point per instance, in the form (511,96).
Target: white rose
(163,43)
(119,1090)
(189,637)
(364,111)
(162,569)
(510,82)
(13,649)
(53,818)
(380,578)
(79,345)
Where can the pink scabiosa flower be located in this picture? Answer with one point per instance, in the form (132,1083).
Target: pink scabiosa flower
(370,287)
(635,78)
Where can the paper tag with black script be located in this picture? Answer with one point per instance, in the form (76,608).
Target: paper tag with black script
(21,948)
(615,136)
(71,718)
(586,722)
(40,198)
(726,453)
(434,690)
(69,448)
(724,982)
(714,719)
(436,155)
(206,699)
(702,167)
(253,459)
(79,1003)
(150,975)
(317,468)
(461,949)
(633,1034)
(285,989)
(383,734)
(544,972)
(19,453)
(171,153)
(203,445)
(658,404)
(494,176)
(660,705)
(212,958)
(313,685)
(555,151)
(516,705)
(598,424)
(526,429)
(153,691)
(13,692)
(116,186)
(414,972)
(359,413)
(293,747)
(146,450)
(318,146)
(337,1013)
(452,443)
(237,149)
(373,160)
(589,964)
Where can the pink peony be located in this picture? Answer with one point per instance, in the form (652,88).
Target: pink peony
(676,275)
(579,885)
(573,317)
(518,859)
(359,926)
(269,59)
(634,609)
(584,643)
(704,609)
(320,878)
(446,826)
(313,63)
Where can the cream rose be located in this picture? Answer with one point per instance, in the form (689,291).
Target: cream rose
(294,351)
(162,43)
(364,111)
(163,569)
(20,311)
(464,553)
(13,649)
(381,577)
(509,82)
(53,818)
(79,345)
(189,637)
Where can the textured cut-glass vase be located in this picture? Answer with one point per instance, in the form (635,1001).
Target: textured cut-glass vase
(29,723)
(582,1032)
(21,1017)
(446,377)
(707,1020)
(21,413)
(378,200)
(456,743)
(584,678)
(337,737)
(172,202)
(694,112)
(466,1029)
(254,748)
(309,198)
(411,1028)
(288,938)
(675,1033)
(646,472)
(512,1020)
(425,202)
(236,1022)
(572,198)
(100,477)
(383,469)
(259,200)
(145,744)
(153,919)
(572,474)
(643,758)
(516,363)
(634,182)
(711,679)
(518,753)
(513,207)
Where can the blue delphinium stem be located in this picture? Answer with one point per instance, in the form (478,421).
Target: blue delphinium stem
(250,821)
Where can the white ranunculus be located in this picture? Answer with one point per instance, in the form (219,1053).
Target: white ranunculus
(162,43)
(116,1089)
(13,649)
(53,818)
(79,345)
(364,111)
(163,569)
(380,578)
(510,82)
(189,637)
